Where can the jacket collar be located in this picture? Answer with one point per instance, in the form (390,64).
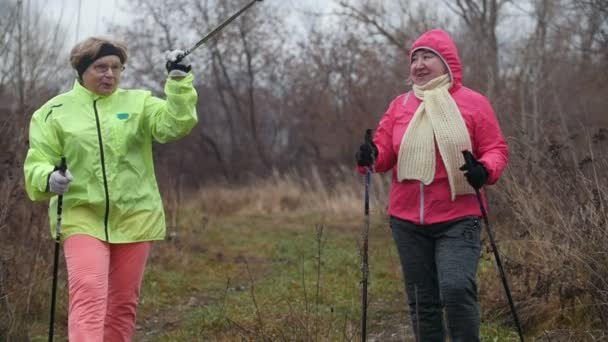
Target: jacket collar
(79,89)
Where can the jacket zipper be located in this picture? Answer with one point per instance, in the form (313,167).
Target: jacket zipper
(103,171)
(421,203)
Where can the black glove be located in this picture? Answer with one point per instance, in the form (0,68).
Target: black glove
(368,152)
(177,65)
(476,173)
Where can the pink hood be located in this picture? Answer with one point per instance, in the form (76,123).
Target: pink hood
(411,200)
(442,45)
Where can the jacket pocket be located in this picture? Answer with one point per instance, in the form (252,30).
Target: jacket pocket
(471,230)
(124,132)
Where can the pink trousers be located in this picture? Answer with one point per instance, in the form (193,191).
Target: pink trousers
(104,281)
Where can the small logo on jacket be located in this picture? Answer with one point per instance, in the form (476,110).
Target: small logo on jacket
(122,116)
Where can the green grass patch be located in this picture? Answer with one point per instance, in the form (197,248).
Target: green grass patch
(269,277)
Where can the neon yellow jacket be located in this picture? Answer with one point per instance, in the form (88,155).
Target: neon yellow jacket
(107,142)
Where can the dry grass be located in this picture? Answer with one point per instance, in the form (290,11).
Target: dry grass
(339,193)
(552,224)
(25,246)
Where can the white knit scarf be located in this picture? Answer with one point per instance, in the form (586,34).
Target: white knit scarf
(437,118)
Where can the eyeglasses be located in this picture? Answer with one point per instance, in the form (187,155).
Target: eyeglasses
(102,68)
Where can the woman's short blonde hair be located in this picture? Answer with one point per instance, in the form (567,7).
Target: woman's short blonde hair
(88,50)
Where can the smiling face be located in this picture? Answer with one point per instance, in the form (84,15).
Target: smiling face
(425,66)
(102,77)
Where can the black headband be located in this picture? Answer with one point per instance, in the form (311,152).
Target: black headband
(105,50)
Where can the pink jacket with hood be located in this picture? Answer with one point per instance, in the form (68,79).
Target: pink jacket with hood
(411,200)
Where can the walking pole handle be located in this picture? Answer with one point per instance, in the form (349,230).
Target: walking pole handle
(368,136)
(370,142)
(468,158)
(63,166)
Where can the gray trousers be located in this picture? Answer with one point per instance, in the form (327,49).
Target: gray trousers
(439,264)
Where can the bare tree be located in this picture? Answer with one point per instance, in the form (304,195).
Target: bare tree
(380,19)
(592,19)
(481,18)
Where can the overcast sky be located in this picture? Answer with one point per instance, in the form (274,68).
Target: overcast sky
(94,16)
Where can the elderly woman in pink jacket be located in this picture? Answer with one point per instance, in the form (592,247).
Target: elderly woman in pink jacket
(434,212)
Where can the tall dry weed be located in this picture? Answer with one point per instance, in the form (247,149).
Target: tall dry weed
(551,216)
(339,193)
(25,246)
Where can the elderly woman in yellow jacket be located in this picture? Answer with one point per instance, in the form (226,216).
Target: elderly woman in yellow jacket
(112,208)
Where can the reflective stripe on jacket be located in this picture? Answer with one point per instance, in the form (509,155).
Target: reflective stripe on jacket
(411,200)
(107,142)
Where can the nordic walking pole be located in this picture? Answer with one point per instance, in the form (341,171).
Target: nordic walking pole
(468,158)
(62,167)
(365,264)
(216,30)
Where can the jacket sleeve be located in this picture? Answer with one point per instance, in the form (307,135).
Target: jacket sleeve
(175,117)
(489,144)
(44,152)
